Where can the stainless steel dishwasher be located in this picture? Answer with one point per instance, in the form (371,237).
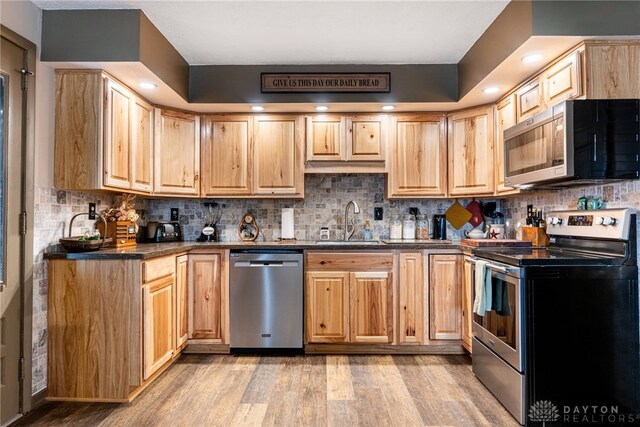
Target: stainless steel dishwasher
(266,300)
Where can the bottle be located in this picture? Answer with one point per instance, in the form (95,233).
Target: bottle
(408,226)
(367,230)
(422,227)
(395,227)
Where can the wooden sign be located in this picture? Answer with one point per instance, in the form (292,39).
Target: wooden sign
(326,82)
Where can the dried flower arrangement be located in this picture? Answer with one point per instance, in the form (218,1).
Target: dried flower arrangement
(123,211)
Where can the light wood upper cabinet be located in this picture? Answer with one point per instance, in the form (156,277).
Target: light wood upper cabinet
(529,99)
(226,155)
(467,303)
(181,302)
(102,134)
(371,296)
(410,298)
(612,69)
(208,298)
(445,297)
(278,167)
(366,137)
(327,307)
(471,152)
(505,118)
(177,153)
(563,80)
(325,137)
(418,157)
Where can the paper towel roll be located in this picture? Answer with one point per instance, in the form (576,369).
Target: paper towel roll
(287,223)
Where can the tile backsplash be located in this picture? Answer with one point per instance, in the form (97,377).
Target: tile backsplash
(323,206)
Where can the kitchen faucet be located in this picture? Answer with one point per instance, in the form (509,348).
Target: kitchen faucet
(356,210)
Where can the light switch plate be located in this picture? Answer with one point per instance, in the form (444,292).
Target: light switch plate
(377,214)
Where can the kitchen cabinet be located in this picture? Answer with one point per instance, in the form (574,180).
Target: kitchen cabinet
(471,152)
(563,80)
(445,296)
(158,344)
(278,167)
(227,155)
(103,134)
(349,297)
(467,303)
(177,153)
(366,137)
(208,291)
(411,282)
(181,302)
(612,69)
(505,118)
(326,137)
(418,156)
(529,99)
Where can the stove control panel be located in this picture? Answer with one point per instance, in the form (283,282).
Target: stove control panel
(601,224)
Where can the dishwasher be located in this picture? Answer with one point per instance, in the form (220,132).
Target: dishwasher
(265,300)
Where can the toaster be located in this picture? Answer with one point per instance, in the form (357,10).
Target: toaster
(168,231)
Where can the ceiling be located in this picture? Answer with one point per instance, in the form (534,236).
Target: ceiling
(258,32)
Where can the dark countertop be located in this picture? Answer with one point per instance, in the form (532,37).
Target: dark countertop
(153,250)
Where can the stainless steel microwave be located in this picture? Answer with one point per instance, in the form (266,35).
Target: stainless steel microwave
(574,143)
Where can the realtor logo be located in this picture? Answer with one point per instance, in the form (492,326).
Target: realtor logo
(543,411)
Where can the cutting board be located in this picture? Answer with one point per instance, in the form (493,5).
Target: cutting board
(494,242)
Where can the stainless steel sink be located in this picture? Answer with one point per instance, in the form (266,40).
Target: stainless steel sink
(348,242)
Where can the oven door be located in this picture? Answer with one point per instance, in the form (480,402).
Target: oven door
(500,328)
(536,150)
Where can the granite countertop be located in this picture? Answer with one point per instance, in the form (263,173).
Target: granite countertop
(152,250)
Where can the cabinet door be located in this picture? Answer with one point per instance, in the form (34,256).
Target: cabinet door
(410,299)
(371,307)
(613,70)
(157,320)
(563,80)
(505,118)
(327,310)
(467,303)
(529,99)
(141,145)
(226,154)
(325,137)
(471,156)
(177,153)
(418,156)
(366,137)
(278,166)
(117,136)
(182,301)
(445,299)
(205,291)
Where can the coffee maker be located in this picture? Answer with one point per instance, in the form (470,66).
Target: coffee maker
(439,227)
(213,214)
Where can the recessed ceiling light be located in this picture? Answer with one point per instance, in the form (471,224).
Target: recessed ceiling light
(148,85)
(257,108)
(388,107)
(322,108)
(491,89)
(532,58)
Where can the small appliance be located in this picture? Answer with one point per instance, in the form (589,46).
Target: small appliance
(164,231)
(209,232)
(439,227)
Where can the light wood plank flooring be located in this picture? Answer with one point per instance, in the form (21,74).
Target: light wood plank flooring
(224,390)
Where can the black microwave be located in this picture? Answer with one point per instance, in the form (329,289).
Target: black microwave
(574,143)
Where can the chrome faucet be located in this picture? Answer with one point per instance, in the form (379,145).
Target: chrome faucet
(356,210)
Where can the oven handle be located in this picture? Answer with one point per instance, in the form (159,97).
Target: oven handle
(498,268)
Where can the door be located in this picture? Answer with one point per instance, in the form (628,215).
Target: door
(182,301)
(157,300)
(467,302)
(10,247)
(226,155)
(418,157)
(505,118)
(117,136)
(366,137)
(371,307)
(141,145)
(205,293)
(327,311)
(278,166)
(410,303)
(325,137)
(445,300)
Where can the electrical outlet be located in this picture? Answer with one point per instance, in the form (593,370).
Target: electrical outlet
(92,211)
(175,214)
(413,211)
(377,214)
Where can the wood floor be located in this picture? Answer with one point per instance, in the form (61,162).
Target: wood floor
(224,390)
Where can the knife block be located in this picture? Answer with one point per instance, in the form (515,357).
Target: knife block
(536,235)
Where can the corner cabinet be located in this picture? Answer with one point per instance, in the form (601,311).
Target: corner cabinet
(418,157)
(177,153)
(103,134)
(471,152)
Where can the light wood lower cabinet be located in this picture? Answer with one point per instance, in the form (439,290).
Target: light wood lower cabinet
(208,298)
(467,303)
(182,302)
(445,297)
(371,298)
(158,344)
(411,283)
(327,311)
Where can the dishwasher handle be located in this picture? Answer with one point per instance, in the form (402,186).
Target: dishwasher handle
(265,263)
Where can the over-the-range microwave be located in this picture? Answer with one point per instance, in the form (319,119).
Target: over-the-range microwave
(574,143)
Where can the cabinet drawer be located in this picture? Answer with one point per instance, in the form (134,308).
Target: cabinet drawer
(349,261)
(158,268)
